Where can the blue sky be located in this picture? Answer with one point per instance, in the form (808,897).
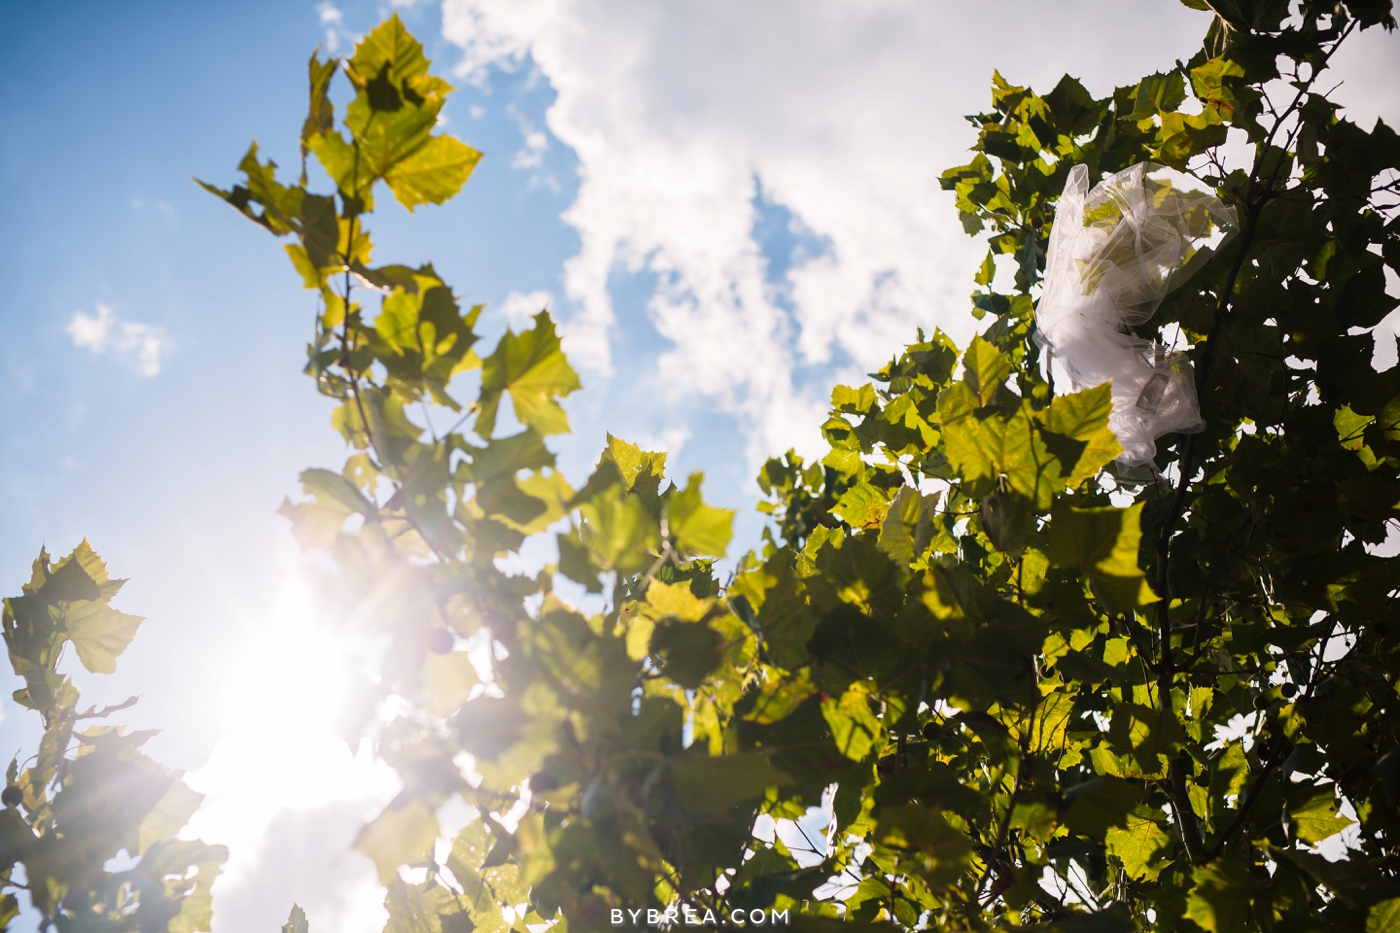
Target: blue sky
(730,207)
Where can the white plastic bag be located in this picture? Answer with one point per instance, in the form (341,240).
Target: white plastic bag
(1114,254)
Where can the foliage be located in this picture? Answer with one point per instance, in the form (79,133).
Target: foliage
(1001,661)
(89,796)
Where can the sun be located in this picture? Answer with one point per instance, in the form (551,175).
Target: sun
(279,699)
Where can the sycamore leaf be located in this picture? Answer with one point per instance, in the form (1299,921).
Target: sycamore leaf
(320,115)
(943,852)
(432,174)
(862,506)
(696,528)
(399,836)
(714,786)
(900,525)
(1139,845)
(1384,917)
(296,921)
(169,816)
(619,530)
(1102,543)
(634,464)
(448,680)
(853,401)
(667,601)
(532,368)
(987,447)
(1101,804)
(190,903)
(337,492)
(100,634)
(391,44)
(1315,818)
(16,838)
(1082,419)
(985,369)
(854,727)
(1219,902)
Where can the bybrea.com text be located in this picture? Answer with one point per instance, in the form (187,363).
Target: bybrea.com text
(673,917)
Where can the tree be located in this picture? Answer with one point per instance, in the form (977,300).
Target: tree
(1001,657)
(86,797)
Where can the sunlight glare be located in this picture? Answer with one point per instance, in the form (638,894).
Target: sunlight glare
(278,700)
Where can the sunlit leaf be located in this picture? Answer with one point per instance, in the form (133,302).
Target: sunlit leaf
(398,836)
(532,368)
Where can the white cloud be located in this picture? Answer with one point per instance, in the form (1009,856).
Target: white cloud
(669,439)
(141,344)
(520,307)
(844,112)
(334,20)
(91,332)
(531,155)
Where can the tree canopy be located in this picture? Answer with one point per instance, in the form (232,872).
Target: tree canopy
(1032,685)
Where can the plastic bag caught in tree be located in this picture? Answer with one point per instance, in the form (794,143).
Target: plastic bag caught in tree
(1114,254)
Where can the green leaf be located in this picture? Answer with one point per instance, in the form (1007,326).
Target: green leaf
(320,115)
(715,785)
(854,726)
(985,369)
(698,529)
(1101,804)
(532,368)
(448,680)
(434,173)
(16,838)
(943,852)
(390,45)
(636,466)
(185,871)
(296,921)
(1384,917)
(900,526)
(1102,543)
(1081,420)
(1220,901)
(989,448)
(862,506)
(100,634)
(169,815)
(620,531)
(1140,844)
(334,490)
(1315,816)
(400,835)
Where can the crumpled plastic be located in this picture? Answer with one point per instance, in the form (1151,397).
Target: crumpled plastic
(1115,252)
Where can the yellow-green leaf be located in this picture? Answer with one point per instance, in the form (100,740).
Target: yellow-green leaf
(698,529)
(435,172)
(1082,418)
(715,785)
(398,836)
(1384,917)
(986,447)
(1102,543)
(1315,818)
(1139,845)
(448,680)
(985,369)
(854,727)
(532,368)
(169,816)
(100,634)
(943,852)
(1219,902)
